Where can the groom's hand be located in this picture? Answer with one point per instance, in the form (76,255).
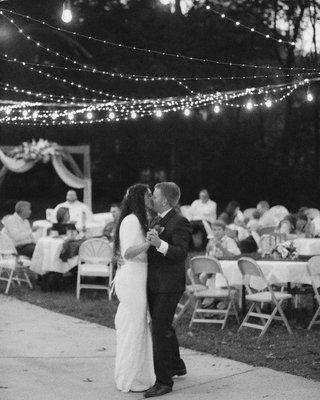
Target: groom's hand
(153,238)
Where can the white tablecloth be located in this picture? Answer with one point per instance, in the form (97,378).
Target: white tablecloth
(307,247)
(274,271)
(46,257)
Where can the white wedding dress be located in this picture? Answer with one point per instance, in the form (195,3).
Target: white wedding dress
(134,368)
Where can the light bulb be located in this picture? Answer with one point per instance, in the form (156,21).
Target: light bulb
(249,105)
(89,115)
(133,115)
(268,103)
(66,15)
(216,109)
(70,116)
(112,115)
(158,113)
(310,96)
(25,113)
(187,112)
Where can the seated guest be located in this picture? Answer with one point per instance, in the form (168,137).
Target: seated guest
(231,212)
(262,207)
(253,223)
(314,219)
(221,245)
(301,225)
(79,212)
(110,228)
(287,226)
(63,222)
(202,209)
(18,228)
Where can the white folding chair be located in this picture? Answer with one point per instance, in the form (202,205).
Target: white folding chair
(211,267)
(313,268)
(183,305)
(249,268)
(95,260)
(13,268)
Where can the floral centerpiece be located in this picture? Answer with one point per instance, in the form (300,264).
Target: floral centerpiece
(41,150)
(285,250)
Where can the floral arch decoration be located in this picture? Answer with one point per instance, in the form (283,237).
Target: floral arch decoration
(22,158)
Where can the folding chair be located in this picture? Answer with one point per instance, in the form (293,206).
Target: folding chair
(313,268)
(183,306)
(249,268)
(95,260)
(209,266)
(12,266)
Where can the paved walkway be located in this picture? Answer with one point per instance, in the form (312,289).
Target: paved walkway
(50,356)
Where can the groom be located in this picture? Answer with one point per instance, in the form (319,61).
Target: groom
(166,284)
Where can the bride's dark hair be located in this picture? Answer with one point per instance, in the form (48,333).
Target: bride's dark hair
(132,203)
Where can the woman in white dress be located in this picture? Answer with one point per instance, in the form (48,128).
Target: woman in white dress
(134,370)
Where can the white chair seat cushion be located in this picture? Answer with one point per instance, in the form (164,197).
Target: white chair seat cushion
(212,292)
(265,297)
(94,270)
(8,263)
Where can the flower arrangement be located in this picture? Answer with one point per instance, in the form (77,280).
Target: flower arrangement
(41,150)
(285,250)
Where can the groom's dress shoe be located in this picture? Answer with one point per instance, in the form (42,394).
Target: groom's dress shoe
(178,372)
(157,390)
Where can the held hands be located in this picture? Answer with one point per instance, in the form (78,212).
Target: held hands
(153,238)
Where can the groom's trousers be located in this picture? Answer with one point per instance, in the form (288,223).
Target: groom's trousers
(166,352)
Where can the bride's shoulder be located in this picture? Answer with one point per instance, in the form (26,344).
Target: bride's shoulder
(130,219)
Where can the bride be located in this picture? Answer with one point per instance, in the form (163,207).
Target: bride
(134,370)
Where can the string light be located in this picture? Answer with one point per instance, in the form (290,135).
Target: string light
(66,12)
(309,97)
(146,78)
(161,53)
(268,103)
(216,109)
(249,105)
(187,112)
(120,111)
(248,28)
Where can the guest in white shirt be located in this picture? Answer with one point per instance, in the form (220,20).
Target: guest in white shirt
(18,228)
(79,212)
(202,209)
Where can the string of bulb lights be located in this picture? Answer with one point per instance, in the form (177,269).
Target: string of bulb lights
(38,113)
(250,29)
(72,110)
(152,78)
(150,51)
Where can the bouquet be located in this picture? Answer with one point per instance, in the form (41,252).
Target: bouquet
(285,251)
(41,150)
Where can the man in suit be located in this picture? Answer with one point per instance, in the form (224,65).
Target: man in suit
(169,241)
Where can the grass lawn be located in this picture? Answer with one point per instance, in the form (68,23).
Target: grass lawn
(297,354)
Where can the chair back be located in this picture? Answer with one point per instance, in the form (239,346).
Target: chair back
(249,268)
(6,245)
(205,265)
(313,268)
(96,251)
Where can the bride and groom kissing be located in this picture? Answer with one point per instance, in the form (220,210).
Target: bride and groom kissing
(149,284)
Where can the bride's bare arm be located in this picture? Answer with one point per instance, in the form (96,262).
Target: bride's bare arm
(134,251)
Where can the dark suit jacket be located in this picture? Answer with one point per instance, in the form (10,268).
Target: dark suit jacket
(166,274)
